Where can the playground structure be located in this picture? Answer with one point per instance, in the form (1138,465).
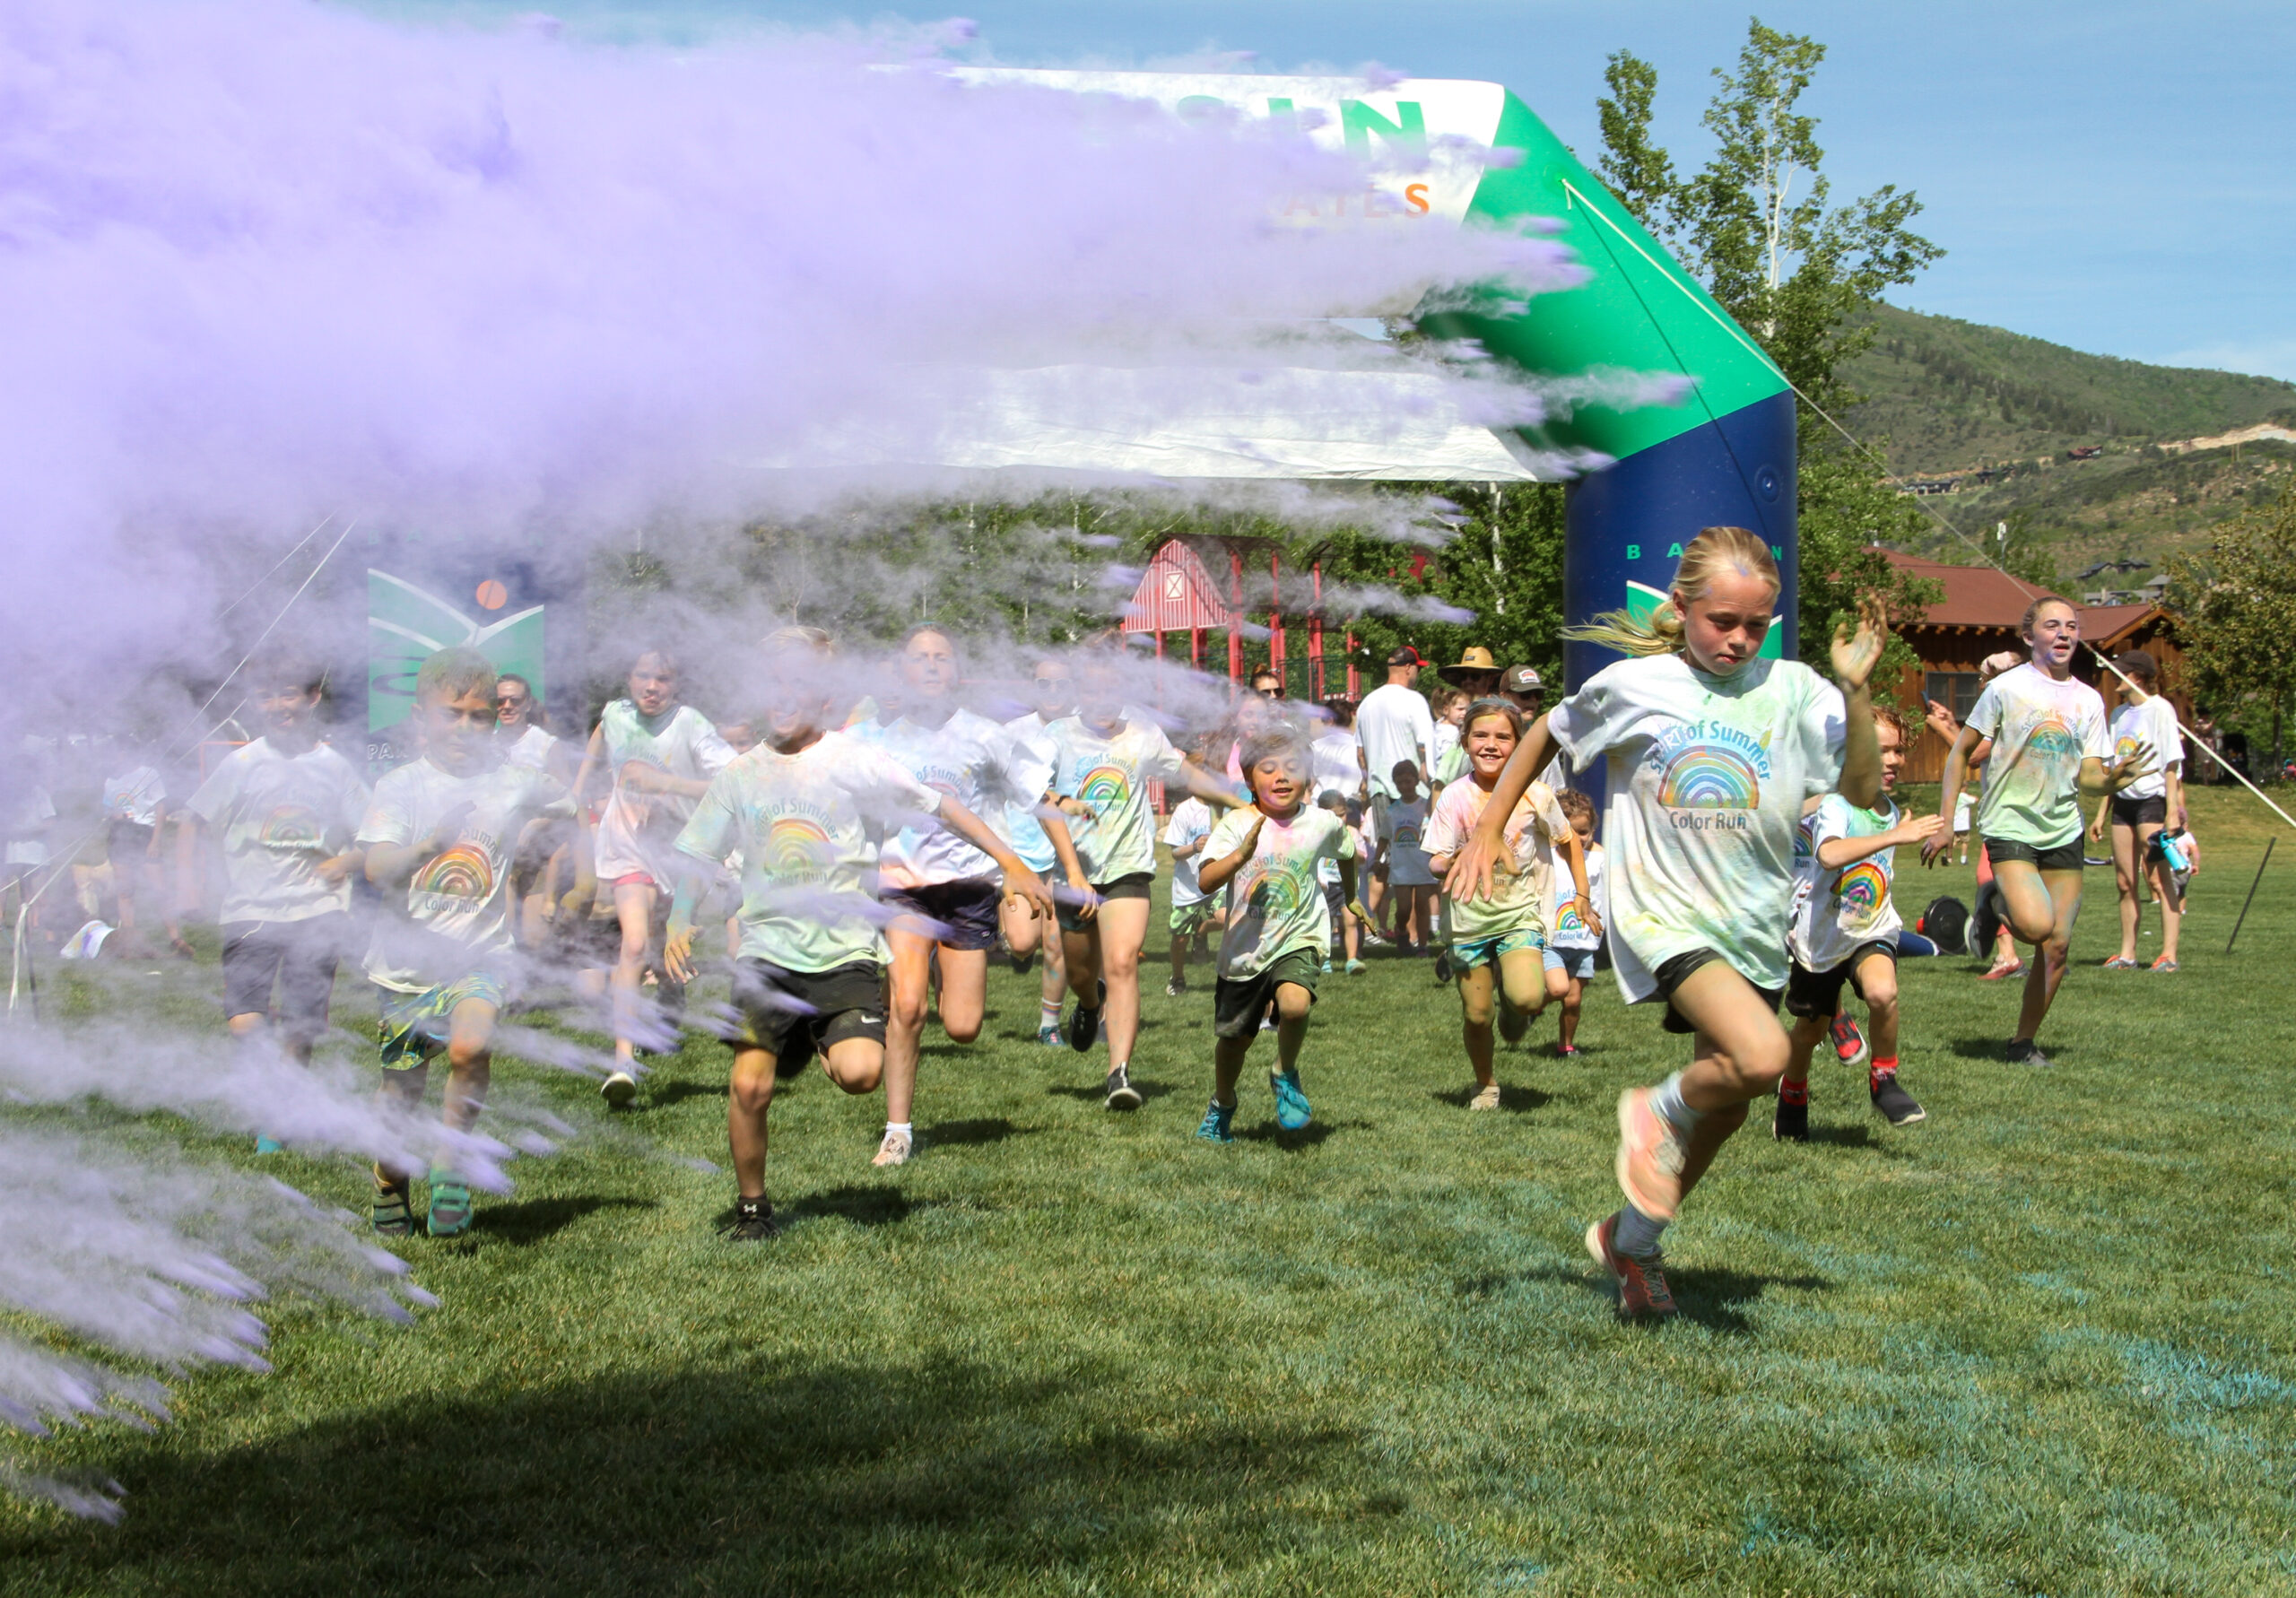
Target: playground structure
(1182,592)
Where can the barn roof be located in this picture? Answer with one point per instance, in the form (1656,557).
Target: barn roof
(1981,597)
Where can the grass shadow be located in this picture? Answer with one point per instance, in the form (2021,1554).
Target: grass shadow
(532,1220)
(1715,1298)
(862,1206)
(1098,1091)
(665,1095)
(980,1129)
(1313,1135)
(1991,1051)
(1858,1135)
(1519,1100)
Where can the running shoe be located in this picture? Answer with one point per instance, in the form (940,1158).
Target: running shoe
(393,1216)
(1356,968)
(1642,1292)
(1896,1105)
(2024,1051)
(264,1143)
(1327,970)
(754,1222)
(2163,964)
(618,1090)
(1048,1033)
(1442,965)
(450,1207)
(1084,1026)
(1176,988)
(1512,1022)
(1791,1124)
(1568,1051)
(896,1148)
(1217,1120)
(1650,1154)
(1121,1094)
(1486,1098)
(2001,973)
(1849,1045)
(2120,962)
(1291,1111)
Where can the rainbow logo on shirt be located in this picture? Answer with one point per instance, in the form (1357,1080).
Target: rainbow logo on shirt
(1566,923)
(2125,749)
(1861,890)
(2052,739)
(1283,892)
(462,871)
(1104,788)
(1710,777)
(294,827)
(796,846)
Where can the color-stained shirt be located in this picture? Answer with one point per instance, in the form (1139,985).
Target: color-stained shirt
(808,828)
(1406,825)
(1707,778)
(1517,901)
(1275,900)
(1191,822)
(274,818)
(458,905)
(1570,929)
(1111,776)
(970,759)
(2150,727)
(1029,838)
(2041,731)
(136,795)
(531,748)
(1835,910)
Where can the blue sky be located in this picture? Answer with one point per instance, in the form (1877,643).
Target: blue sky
(2111,176)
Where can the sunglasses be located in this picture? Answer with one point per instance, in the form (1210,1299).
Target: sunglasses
(1052,682)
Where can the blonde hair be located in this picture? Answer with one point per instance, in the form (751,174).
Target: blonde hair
(1714,550)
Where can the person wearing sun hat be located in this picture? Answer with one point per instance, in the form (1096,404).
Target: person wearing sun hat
(1475,671)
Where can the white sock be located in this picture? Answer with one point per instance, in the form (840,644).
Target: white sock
(1671,1107)
(900,1126)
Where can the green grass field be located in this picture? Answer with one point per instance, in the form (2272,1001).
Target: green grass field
(2041,1344)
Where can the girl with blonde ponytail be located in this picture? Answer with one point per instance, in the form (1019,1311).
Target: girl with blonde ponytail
(1712,752)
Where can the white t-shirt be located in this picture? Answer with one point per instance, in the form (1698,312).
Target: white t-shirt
(2151,726)
(1191,822)
(1111,776)
(1570,930)
(1394,724)
(1029,838)
(274,818)
(1275,899)
(635,828)
(1707,778)
(458,901)
(970,759)
(1518,901)
(135,796)
(808,828)
(530,749)
(2041,731)
(1405,826)
(1332,761)
(1836,910)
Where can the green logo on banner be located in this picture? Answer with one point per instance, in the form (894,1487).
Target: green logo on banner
(1643,601)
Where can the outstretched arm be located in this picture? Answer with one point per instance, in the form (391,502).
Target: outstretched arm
(1949,791)
(1020,882)
(1856,653)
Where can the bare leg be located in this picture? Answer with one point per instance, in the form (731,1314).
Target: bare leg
(746,1105)
(2172,900)
(1291,1005)
(1477,991)
(633,907)
(1573,1000)
(907,978)
(1228,1067)
(2063,890)
(1877,985)
(1023,930)
(1123,927)
(1741,1054)
(2125,875)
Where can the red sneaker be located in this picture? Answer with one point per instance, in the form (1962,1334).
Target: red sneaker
(1649,1156)
(1642,1292)
(1849,1044)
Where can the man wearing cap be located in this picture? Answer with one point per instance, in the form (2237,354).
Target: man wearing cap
(1394,724)
(1521,685)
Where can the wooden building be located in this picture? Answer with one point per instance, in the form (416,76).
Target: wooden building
(1979,615)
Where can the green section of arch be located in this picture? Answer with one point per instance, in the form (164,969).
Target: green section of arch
(1642,602)
(1640,311)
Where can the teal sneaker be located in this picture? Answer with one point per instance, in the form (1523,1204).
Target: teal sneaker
(1356,968)
(265,1144)
(1048,1033)
(450,1206)
(1217,1120)
(1291,1111)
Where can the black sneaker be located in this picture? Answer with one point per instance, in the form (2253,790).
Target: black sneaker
(2024,1051)
(1897,1105)
(1175,989)
(1442,965)
(1084,1026)
(1791,1124)
(754,1222)
(1122,1094)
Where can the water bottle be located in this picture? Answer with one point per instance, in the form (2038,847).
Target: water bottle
(2173,856)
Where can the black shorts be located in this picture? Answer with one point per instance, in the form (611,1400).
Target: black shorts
(1238,1003)
(128,840)
(2140,812)
(1819,993)
(2066,856)
(790,1014)
(299,956)
(965,911)
(1135,886)
(1672,973)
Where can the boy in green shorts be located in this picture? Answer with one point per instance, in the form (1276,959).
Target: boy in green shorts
(1278,936)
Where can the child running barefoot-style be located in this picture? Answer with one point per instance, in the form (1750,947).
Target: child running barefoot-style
(1278,937)
(1846,930)
(2050,746)
(1712,753)
(1193,911)
(1572,947)
(807,811)
(945,890)
(662,755)
(1104,758)
(439,837)
(1498,943)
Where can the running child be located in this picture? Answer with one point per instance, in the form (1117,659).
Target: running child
(807,811)
(661,755)
(1195,913)
(2141,813)
(1104,758)
(1498,944)
(1346,932)
(1411,883)
(1712,753)
(438,836)
(944,890)
(282,811)
(1052,687)
(1573,946)
(1844,930)
(1278,936)
(2050,747)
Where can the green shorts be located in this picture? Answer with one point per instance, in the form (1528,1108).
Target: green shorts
(1486,952)
(1188,920)
(414,1026)
(1238,1002)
